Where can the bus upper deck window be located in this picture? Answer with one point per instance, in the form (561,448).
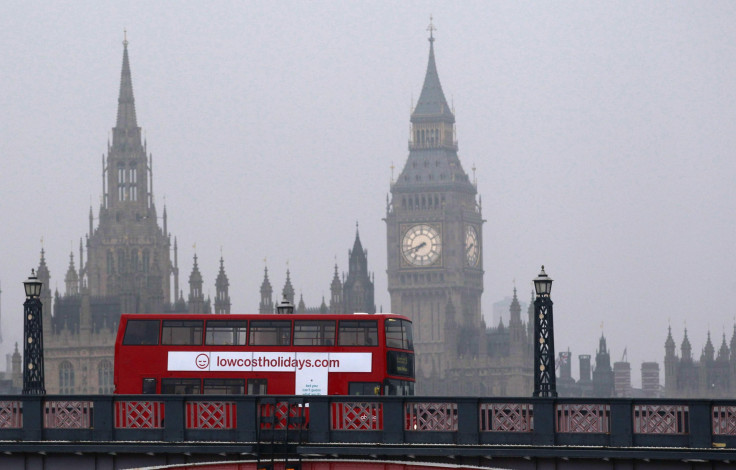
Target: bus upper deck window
(270,333)
(141,332)
(357,333)
(314,332)
(225,333)
(182,332)
(398,334)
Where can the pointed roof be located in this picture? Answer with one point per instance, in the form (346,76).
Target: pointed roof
(126,102)
(71,272)
(723,352)
(336,284)
(288,291)
(669,344)
(195,277)
(358,260)
(686,347)
(709,350)
(432,103)
(266,284)
(602,348)
(222,281)
(515,310)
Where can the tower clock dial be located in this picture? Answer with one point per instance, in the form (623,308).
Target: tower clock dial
(421,245)
(472,248)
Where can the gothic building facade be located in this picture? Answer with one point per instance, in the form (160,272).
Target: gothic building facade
(354,293)
(129,267)
(712,376)
(435,265)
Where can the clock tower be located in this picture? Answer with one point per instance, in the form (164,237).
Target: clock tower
(435,242)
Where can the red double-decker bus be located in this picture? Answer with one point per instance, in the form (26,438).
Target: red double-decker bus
(293,354)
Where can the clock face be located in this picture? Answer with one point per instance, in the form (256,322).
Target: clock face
(472,248)
(421,245)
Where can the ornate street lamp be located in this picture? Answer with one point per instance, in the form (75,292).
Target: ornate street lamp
(33,381)
(544,339)
(285,307)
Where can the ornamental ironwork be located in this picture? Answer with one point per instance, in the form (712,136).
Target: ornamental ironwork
(544,349)
(661,419)
(282,415)
(507,417)
(724,420)
(139,414)
(211,415)
(33,378)
(11,414)
(431,417)
(583,418)
(356,416)
(68,414)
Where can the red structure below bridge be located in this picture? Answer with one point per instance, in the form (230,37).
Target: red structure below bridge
(322,465)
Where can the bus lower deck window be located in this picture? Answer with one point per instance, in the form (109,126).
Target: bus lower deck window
(257,386)
(364,388)
(149,386)
(180,386)
(224,386)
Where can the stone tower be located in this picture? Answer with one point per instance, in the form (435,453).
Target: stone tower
(128,253)
(434,236)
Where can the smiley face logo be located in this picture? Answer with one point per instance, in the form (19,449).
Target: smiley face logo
(202,361)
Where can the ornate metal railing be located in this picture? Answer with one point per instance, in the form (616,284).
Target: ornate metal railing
(615,423)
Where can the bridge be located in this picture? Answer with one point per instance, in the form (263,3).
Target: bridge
(83,432)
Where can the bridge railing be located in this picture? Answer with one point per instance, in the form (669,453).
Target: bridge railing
(370,419)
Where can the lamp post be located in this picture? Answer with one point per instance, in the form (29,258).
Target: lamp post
(33,381)
(544,339)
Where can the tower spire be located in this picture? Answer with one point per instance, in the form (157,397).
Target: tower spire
(126,102)
(432,103)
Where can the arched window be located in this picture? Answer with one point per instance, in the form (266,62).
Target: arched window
(110,267)
(146,261)
(66,378)
(104,378)
(121,261)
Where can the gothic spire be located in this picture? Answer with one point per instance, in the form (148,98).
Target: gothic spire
(222,296)
(709,350)
(126,102)
(288,290)
(266,304)
(432,103)
(686,348)
(723,352)
(669,344)
(358,256)
(515,310)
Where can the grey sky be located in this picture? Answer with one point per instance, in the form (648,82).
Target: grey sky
(603,134)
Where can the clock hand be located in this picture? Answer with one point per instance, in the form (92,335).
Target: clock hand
(470,247)
(415,248)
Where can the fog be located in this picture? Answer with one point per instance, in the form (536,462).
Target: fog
(602,135)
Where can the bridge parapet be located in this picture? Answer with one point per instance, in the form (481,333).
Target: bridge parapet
(307,420)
